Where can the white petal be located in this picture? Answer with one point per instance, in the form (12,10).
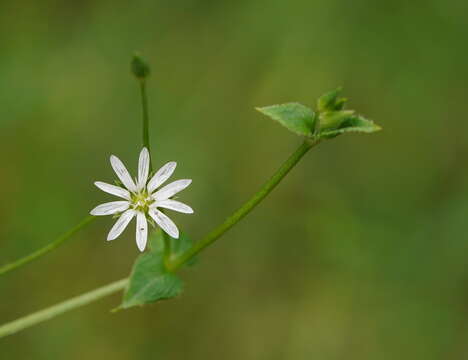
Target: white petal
(112,189)
(122,173)
(141,231)
(121,224)
(161,176)
(110,208)
(143,168)
(171,189)
(164,222)
(173,205)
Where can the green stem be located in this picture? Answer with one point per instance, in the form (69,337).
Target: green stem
(49,247)
(62,307)
(212,236)
(144,106)
(94,295)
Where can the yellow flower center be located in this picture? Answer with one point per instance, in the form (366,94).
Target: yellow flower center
(141,201)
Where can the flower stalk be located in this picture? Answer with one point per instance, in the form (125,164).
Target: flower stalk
(144,105)
(141,71)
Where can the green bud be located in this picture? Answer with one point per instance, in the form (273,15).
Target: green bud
(330,101)
(139,67)
(340,103)
(334,119)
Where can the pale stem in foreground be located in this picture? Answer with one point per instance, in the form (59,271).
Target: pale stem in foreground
(211,237)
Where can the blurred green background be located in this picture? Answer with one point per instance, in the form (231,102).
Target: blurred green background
(361,253)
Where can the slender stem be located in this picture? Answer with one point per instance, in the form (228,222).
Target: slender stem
(49,247)
(144,106)
(62,307)
(211,237)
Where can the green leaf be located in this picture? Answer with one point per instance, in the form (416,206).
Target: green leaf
(156,242)
(150,282)
(334,119)
(294,116)
(354,123)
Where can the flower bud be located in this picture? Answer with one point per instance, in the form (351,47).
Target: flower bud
(139,67)
(330,101)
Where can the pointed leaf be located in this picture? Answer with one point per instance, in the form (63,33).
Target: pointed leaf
(334,119)
(354,123)
(294,116)
(150,282)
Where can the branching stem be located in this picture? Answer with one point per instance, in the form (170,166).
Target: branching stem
(210,238)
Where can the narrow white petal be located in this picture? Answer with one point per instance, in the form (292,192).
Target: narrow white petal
(164,222)
(110,208)
(171,189)
(143,168)
(122,173)
(161,176)
(121,224)
(141,231)
(173,205)
(112,189)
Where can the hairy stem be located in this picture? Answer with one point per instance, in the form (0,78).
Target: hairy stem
(210,238)
(44,250)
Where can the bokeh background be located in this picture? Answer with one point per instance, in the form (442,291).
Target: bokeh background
(361,253)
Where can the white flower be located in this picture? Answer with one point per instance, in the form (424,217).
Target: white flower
(142,199)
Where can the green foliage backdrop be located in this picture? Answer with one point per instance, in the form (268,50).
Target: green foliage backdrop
(361,253)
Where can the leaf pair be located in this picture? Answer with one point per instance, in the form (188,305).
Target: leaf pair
(329,121)
(150,281)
